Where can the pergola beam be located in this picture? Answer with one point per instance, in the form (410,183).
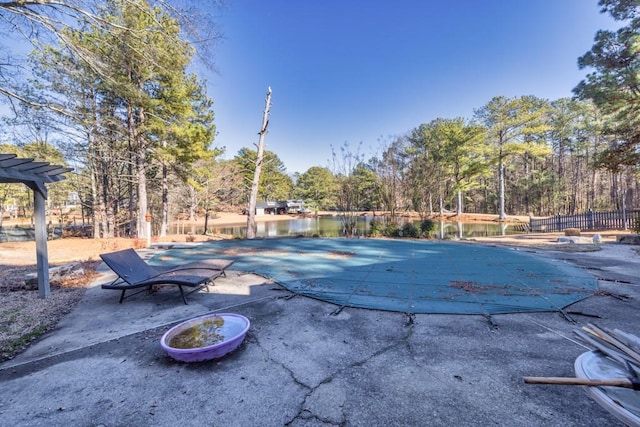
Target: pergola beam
(12,162)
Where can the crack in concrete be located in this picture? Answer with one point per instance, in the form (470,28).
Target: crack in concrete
(304,413)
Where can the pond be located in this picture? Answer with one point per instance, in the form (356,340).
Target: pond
(331,226)
(24,233)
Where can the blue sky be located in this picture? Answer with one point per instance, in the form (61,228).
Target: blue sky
(355,71)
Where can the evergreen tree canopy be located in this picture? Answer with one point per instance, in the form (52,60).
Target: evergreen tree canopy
(613,82)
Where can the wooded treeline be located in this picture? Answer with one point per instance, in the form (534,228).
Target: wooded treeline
(110,86)
(112,97)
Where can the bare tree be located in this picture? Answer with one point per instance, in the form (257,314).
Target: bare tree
(253,196)
(349,194)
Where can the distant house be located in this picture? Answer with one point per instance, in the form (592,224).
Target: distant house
(269,208)
(280,207)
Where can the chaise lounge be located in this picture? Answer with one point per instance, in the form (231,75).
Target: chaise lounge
(134,273)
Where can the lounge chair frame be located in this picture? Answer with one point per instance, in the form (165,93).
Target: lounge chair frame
(134,273)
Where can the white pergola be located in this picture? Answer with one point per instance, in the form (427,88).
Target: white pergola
(35,175)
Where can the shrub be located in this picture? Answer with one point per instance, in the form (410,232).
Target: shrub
(427,227)
(410,230)
(375,227)
(391,230)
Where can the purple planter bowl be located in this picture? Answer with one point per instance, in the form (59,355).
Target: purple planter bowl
(233,330)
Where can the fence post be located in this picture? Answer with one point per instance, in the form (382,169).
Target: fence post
(590,220)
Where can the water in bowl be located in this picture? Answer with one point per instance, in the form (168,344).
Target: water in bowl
(203,334)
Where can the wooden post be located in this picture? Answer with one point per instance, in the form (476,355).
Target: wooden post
(624,210)
(42,259)
(253,197)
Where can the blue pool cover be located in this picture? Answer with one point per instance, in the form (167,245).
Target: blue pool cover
(410,276)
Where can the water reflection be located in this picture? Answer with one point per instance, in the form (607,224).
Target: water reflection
(331,226)
(466,230)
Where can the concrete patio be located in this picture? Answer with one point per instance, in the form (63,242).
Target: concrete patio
(304,363)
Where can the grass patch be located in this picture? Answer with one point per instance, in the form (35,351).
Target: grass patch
(13,346)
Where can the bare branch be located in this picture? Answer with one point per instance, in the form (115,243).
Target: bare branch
(31,103)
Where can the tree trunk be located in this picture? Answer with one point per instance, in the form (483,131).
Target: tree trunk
(111,204)
(501,211)
(193,202)
(96,200)
(136,119)
(165,200)
(142,191)
(206,221)
(131,231)
(430,204)
(251,218)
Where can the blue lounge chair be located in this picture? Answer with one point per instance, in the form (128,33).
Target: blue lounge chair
(134,273)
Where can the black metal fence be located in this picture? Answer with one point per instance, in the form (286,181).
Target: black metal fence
(615,220)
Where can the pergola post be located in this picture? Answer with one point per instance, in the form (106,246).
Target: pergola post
(42,258)
(35,175)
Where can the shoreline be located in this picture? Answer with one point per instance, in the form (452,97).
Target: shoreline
(78,249)
(229,218)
